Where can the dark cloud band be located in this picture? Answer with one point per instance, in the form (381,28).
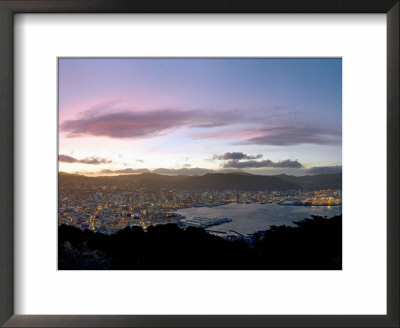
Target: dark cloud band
(88,160)
(325,169)
(262,164)
(236,156)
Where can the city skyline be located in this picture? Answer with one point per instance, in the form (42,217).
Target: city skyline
(194,116)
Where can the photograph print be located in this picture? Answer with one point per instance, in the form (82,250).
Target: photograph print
(199,164)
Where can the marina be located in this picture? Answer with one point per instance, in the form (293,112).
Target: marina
(203,222)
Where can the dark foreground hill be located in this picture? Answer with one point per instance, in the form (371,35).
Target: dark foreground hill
(209,181)
(312,244)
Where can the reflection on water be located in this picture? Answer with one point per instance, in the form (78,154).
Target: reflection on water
(248,218)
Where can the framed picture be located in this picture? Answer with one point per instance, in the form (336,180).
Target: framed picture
(221,206)
(165,166)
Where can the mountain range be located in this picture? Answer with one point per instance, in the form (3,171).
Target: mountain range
(210,181)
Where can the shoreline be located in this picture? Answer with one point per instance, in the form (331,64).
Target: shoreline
(310,205)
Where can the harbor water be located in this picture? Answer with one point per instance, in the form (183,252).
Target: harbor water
(249,218)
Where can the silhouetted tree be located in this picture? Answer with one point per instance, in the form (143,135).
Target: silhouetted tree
(314,243)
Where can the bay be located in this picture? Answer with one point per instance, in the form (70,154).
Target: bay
(249,218)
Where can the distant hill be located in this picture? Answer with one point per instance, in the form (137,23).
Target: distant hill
(224,181)
(209,181)
(320,181)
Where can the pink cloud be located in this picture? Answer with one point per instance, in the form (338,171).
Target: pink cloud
(128,124)
(234,134)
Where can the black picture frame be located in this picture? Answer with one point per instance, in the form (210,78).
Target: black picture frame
(10,7)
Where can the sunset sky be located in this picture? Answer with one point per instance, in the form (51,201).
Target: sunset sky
(193,116)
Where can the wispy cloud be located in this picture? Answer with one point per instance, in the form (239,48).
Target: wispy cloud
(127,124)
(109,119)
(231,134)
(248,127)
(295,135)
(88,160)
(288,135)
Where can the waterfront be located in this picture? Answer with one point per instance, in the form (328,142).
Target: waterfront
(249,218)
